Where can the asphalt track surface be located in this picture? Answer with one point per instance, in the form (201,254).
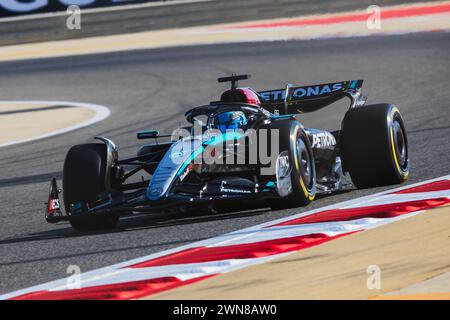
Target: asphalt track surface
(153,88)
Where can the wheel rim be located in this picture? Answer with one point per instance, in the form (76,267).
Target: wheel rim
(400,143)
(304,159)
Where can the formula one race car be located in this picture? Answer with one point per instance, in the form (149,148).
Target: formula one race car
(248,145)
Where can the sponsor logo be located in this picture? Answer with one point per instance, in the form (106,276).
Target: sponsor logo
(177,154)
(185,173)
(283,165)
(323,140)
(283,173)
(54,204)
(230,190)
(223,188)
(156,191)
(316,90)
(304,92)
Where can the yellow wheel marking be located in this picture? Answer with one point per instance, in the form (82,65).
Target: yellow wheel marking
(302,184)
(404,174)
(393,151)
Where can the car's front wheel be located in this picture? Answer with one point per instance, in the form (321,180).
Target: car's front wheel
(295,168)
(83,180)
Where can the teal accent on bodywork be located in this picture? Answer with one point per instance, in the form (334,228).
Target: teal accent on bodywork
(270,184)
(223,137)
(353,84)
(283,116)
(149,134)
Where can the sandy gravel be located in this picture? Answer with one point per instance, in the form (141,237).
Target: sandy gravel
(26,125)
(221,33)
(407,252)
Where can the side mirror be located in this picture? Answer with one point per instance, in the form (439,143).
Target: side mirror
(150,134)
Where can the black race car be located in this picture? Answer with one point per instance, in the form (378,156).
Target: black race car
(246,146)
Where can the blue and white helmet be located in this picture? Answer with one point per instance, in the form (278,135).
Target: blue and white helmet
(232,120)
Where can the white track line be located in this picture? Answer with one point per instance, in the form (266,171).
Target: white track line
(121,271)
(112,8)
(101,113)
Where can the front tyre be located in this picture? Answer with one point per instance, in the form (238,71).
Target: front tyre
(375,146)
(295,168)
(83,180)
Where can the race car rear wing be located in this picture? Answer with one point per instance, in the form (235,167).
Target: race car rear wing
(293,100)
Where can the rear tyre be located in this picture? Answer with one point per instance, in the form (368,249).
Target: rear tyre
(295,165)
(83,180)
(375,146)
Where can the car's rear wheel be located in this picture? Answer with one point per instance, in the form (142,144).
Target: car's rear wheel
(375,146)
(295,168)
(83,180)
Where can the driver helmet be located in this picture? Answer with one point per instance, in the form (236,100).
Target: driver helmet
(231,120)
